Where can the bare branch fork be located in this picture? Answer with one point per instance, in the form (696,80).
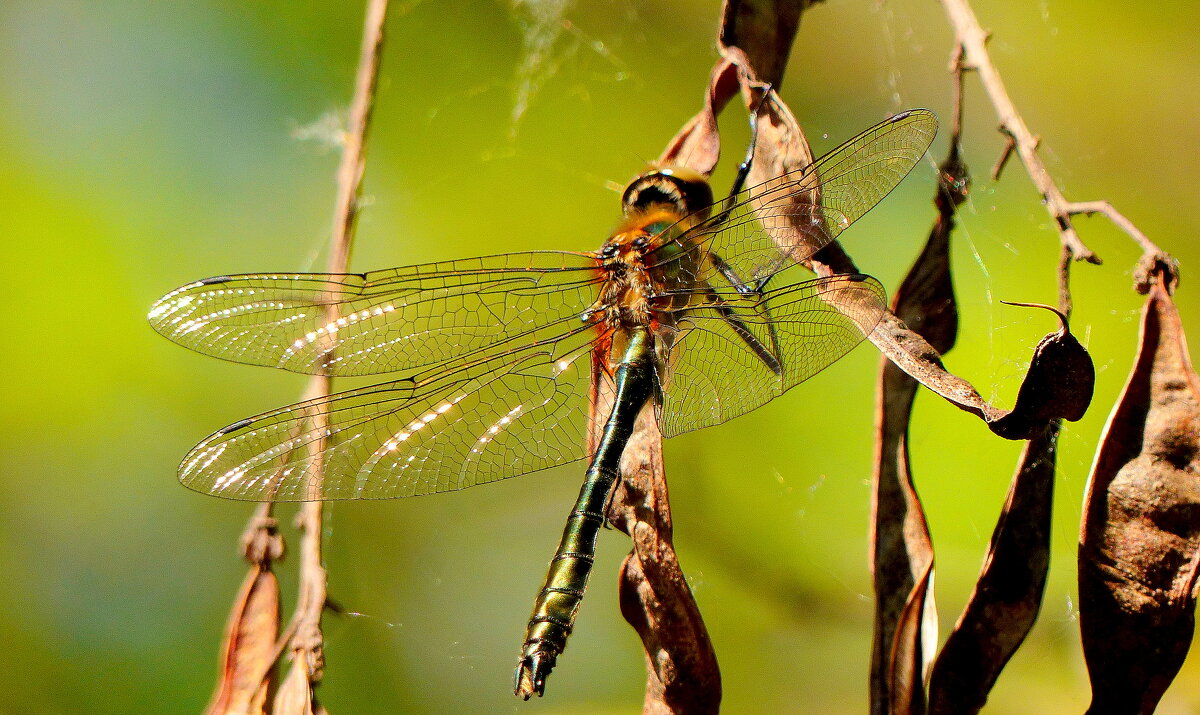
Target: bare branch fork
(971,50)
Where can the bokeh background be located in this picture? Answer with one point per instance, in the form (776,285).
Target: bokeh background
(148,144)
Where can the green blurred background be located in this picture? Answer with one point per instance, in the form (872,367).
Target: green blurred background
(149,144)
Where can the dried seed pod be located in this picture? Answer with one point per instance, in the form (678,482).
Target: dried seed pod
(1008,594)
(1140,540)
(902,551)
(249,652)
(1058,385)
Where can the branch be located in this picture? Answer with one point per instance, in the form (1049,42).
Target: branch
(972,39)
(307,642)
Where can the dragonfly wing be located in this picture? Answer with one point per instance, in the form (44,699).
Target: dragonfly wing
(714,375)
(383,321)
(788,218)
(482,423)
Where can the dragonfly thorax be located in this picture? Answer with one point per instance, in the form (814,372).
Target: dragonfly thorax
(625,296)
(658,206)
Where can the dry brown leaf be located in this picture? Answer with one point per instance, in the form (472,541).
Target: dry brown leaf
(765,30)
(248,654)
(698,144)
(1058,385)
(1008,594)
(902,551)
(249,651)
(1140,539)
(295,696)
(656,600)
(905,667)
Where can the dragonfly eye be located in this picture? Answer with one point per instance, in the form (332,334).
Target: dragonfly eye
(682,189)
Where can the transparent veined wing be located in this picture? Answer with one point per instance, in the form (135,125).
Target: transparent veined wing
(714,377)
(382,321)
(773,225)
(437,432)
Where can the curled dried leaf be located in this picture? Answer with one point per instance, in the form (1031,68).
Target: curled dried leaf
(249,653)
(916,634)
(1140,542)
(681,665)
(295,696)
(902,550)
(763,32)
(901,555)
(1008,594)
(698,143)
(682,672)
(1058,384)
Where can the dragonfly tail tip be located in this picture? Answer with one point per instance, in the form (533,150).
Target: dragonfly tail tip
(532,671)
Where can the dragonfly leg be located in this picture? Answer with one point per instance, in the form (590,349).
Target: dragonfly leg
(743,172)
(749,289)
(558,601)
(767,355)
(739,183)
(744,288)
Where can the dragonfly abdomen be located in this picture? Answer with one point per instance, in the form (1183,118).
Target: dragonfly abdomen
(554,610)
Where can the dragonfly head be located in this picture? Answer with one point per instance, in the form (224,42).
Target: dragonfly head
(658,205)
(677,189)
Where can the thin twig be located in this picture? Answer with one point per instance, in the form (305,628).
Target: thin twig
(1103,207)
(957,68)
(972,39)
(954,180)
(1005,154)
(350,173)
(307,643)
(1065,303)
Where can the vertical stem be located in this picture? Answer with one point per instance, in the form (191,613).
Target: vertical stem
(307,640)
(350,172)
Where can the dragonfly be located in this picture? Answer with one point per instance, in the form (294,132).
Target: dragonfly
(508,364)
